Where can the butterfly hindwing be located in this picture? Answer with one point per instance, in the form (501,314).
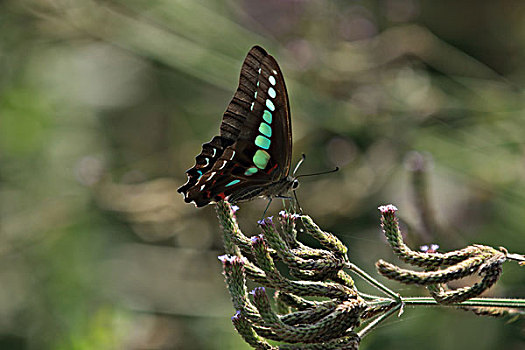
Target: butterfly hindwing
(253,150)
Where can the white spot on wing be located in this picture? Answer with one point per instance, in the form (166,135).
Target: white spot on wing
(233,155)
(223,164)
(211,175)
(202,187)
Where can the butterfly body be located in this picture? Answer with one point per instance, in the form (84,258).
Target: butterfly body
(251,156)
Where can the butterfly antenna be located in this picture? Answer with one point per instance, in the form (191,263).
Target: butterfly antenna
(321,173)
(299,164)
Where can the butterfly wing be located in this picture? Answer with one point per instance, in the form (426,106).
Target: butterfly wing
(255,142)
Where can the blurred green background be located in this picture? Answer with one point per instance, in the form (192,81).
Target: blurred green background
(104,105)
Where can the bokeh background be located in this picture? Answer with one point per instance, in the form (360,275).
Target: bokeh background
(104,105)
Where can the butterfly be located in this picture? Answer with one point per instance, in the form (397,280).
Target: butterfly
(252,155)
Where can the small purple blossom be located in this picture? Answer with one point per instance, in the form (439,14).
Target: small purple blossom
(256,239)
(258,291)
(237,316)
(387,209)
(286,215)
(230,259)
(225,258)
(432,249)
(266,221)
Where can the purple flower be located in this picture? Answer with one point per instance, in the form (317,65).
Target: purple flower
(266,221)
(432,249)
(225,258)
(231,259)
(237,316)
(389,208)
(257,239)
(258,291)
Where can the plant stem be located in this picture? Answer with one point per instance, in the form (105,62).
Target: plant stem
(373,281)
(369,327)
(482,302)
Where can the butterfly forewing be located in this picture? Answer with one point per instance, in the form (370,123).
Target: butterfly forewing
(253,150)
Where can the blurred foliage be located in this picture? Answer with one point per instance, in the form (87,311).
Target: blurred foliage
(104,105)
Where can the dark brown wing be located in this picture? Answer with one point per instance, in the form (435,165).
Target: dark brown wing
(254,146)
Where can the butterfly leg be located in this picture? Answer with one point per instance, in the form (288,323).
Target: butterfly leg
(267,206)
(296,202)
(284,197)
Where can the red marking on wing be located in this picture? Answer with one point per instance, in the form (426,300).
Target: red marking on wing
(272,169)
(221,195)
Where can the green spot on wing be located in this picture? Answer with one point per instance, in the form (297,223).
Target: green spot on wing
(251,171)
(261,158)
(272,92)
(265,129)
(267,116)
(262,142)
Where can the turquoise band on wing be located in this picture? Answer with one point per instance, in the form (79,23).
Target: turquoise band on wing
(262,142)
(265,129)
(267,116)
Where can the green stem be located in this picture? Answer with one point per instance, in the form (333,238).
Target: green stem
(373,281)
(481,302)
(426,301)
(477,302)
(369,327)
